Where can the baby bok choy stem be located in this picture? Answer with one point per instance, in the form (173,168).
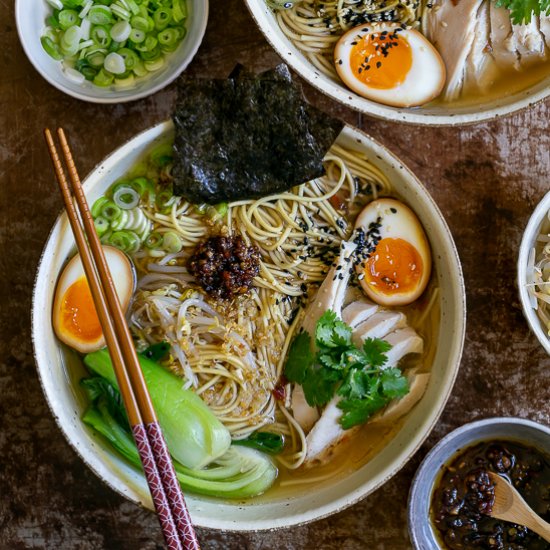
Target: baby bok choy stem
(236,473)
(195,437)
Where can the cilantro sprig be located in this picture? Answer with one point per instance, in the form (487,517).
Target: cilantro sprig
(335,365)
(521,11)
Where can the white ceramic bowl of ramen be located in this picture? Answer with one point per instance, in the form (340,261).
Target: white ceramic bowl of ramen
(438,113)
(31,18)
(60,369)
(539,222)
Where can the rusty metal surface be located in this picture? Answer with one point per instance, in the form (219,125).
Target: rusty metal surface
(485,178)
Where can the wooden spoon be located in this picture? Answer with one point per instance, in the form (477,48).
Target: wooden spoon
(510,506)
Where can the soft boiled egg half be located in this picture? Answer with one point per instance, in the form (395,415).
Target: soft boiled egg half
(390,65)
(396,261)
(74,316)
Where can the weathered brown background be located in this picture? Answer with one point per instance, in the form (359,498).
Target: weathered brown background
(485,178)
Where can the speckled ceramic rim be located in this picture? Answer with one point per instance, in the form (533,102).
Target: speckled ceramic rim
(35,54)
(269,514)
(527,243)
(439,117)
(422,536)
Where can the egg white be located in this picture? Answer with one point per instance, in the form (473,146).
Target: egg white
(124,278)
(424,81)
(397,221)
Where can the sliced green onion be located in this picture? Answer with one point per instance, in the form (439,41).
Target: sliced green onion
(84,33)
(103,78)
(154,240)
(121,221)
(114,63)
(70,38)
(151,55)
(163,198)
(51,48)
(101,36)
(179,10)
(137,36)
(148,45)
(67,18)
(154,64)
(132,5)
(101,225)
(139,69)
(127,241)
(120,11)
(84,11)
(109,210)
(162,18)
(172,242)
(57,4)
(100,15)
(85,44)
(73,75)
(219,210)
(98,205)
(168,37)
(96,57)
(121,31)
(140,185)
(126,197)
(130,58)
(140,23)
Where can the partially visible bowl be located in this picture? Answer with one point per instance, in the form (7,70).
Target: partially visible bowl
(438,114)
(31,17)
(517,429)
(528,243)
(59,370)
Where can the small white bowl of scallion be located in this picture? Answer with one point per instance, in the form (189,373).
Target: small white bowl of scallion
(110,51)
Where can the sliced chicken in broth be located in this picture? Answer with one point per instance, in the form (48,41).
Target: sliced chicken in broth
(481,47)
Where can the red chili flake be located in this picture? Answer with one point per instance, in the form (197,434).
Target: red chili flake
(279,392)
(337,202)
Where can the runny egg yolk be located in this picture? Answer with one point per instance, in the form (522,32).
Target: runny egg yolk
(395,266)
(78,313)
(381,60)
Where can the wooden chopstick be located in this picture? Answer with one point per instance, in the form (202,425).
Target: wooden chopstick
(165,489)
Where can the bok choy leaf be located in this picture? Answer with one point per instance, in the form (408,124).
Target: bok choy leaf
(195,437)
(239,473)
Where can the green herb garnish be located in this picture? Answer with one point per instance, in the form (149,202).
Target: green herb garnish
(521,11)
(267,442)
(338,366)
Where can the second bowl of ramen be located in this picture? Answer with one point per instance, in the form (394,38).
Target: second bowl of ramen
(379,58)
(232,353)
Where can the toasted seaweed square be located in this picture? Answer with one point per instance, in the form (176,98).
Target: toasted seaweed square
(247,137)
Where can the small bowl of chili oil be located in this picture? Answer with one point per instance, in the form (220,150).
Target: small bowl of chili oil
(452,495)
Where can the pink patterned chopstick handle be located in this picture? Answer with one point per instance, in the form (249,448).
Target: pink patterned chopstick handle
(160,500)
(172,487)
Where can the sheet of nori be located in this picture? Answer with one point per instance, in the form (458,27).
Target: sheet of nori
(247,137)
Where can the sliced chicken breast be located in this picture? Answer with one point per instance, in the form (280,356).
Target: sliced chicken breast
(398,408)
(502,38)
(451,28)
(530,43)
(330,295)
(326,435)
(403,342)
(481,69)
(544,23)
(378,325)
(357,312)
